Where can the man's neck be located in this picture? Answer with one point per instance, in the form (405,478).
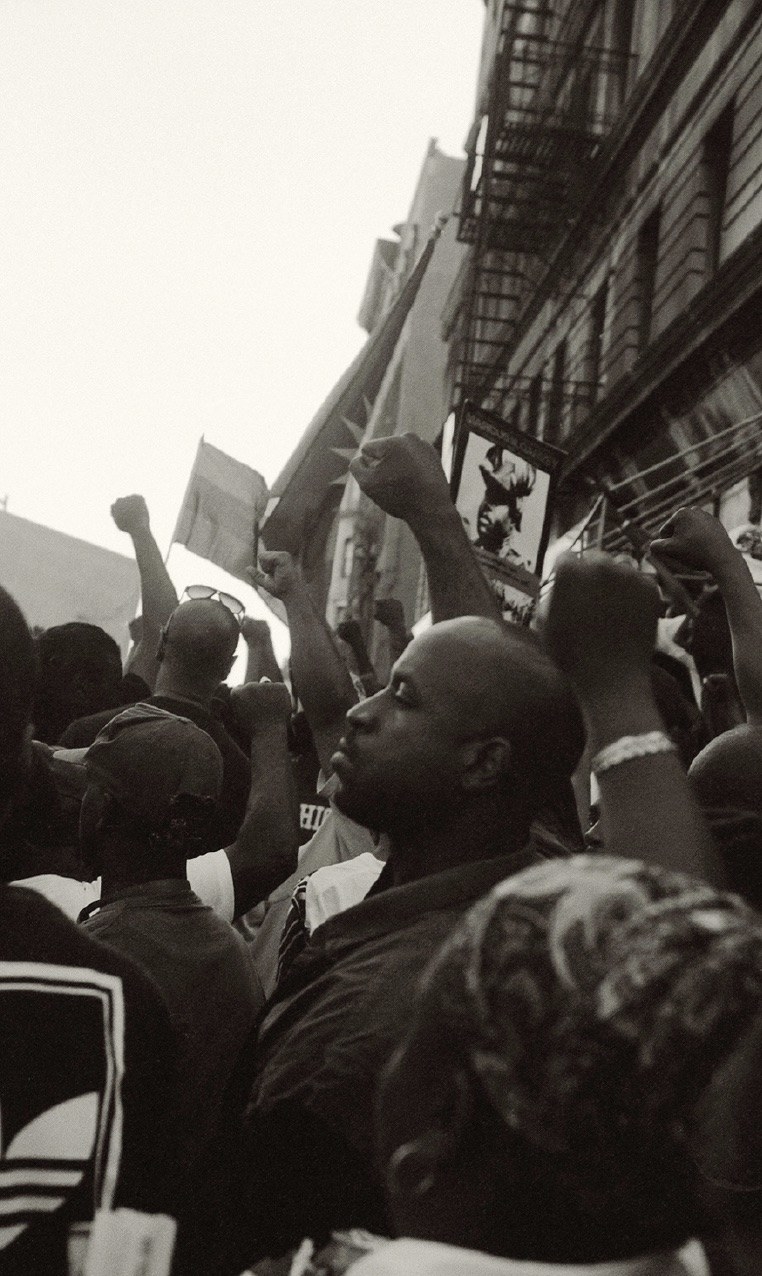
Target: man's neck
(470,836)
(128,864)
(172,682)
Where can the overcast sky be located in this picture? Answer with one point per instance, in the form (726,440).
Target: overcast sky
(189,195)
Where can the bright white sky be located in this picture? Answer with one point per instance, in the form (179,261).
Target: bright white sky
(190,191)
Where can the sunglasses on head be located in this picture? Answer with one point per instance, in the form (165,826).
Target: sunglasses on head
(233,604)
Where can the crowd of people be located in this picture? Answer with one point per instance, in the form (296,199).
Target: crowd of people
(455,975)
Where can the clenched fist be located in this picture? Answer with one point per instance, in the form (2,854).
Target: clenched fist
(600,625)
(261,704)
(278,573)
(694,538)
(402,475)
(130,513)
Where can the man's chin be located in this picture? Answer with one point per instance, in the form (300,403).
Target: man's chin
(352,805)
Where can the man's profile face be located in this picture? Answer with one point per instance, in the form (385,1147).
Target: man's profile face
(399,762)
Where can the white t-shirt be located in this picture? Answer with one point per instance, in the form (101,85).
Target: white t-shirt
(209,875)
(336,887)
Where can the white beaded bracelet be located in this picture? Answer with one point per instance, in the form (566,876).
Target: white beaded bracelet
(629,747)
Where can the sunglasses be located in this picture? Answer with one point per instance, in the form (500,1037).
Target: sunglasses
(233,604)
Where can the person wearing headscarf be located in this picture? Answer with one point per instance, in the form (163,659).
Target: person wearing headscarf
(549,1110)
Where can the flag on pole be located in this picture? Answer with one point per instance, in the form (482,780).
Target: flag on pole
(305,497)
(221,510)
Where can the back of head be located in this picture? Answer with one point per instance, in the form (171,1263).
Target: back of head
(156,767)
(200,641)
(80,673)
(17,684)
(509,685)
(581,1013)
(728,772)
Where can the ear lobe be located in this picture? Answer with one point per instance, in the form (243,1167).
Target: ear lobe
(485,762)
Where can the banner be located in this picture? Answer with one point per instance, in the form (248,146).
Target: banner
(221,511)
(502,484)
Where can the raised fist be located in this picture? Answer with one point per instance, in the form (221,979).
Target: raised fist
(261,704)
(390,612)
(130,513)
(600,624)
(278,573)
(255,632)
(402,475)
(693,538)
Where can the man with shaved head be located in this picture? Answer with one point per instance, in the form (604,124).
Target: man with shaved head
(453,760)
(196,653)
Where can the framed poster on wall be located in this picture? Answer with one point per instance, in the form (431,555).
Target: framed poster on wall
(503,483)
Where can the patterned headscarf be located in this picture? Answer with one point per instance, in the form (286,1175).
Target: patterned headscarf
(592,999)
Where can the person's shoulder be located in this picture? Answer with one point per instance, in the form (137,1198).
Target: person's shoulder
(81,733)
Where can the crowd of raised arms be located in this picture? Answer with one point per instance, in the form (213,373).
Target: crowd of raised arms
(456,1018)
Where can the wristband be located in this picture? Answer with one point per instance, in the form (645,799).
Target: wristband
(629,747)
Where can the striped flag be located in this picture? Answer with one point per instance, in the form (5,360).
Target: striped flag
(221,510)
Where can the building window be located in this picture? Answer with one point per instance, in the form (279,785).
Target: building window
(556,394)
(647,261)
(715,163)
(595,343)
(534,405)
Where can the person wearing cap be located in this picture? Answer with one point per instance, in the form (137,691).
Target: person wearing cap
(196,651)
(153,780)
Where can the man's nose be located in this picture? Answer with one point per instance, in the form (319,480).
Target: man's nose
(363,716)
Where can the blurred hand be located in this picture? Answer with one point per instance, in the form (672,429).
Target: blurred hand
(600,625)
(278,573)
(351,633)
(261,704)
(693,538)
(390,612)
(402,475)
(255,632)
(130,513)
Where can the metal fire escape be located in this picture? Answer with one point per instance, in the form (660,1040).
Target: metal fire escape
(552,95)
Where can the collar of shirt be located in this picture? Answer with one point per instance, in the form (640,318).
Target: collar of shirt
(393,907)
(156,891)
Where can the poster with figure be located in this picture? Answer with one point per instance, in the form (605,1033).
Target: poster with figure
(502,485)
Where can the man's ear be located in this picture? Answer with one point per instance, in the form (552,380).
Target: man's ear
(485,762)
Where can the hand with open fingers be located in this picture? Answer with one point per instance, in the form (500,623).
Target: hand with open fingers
(403,475)
(600,624)
(130,513)
(278,573)
(694,538)
(255,632)
(261,704)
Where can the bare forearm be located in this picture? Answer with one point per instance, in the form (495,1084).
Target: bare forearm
(320,676)
(158,601)
(457,586)
(647,809)
(744,610)
(158,594)
(265,851)
(261,663)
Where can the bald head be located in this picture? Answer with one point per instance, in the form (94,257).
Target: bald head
(473,708)
(728,772)
(200,641)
